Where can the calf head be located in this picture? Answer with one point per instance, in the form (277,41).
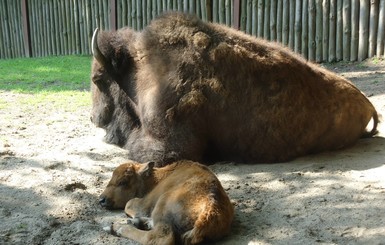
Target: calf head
(113,83)
(128,181)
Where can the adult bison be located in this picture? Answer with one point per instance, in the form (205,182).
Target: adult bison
(186,89)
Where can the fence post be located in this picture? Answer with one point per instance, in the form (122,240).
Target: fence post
(26,30)
(113,15)
(236,14)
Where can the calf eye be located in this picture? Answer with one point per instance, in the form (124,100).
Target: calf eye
(123,182)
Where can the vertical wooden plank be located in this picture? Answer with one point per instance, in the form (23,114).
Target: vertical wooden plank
(81,26)
(144,13)
(222,13)
(113,20)
(332,31)
(325,28)
(133,15)
(248,17)
(149,12)
(318,31)
(215,11)
(243,16)
(139,15)
(26,29)
(254,17)
(57,15)
(266,19)
(52,27)
(129,13)
(346,30)
(2,44)
(279,20)
(59,31)
(76,26)
(285,23)
(292,24)
(229,17)
(43,21)
(192,7)
(261,15)
(305,29)
(66,19)
(339,29)
(363,32)
(355,30)
(297,26)
(12,28)
(381,29)
(373,27)
(32,24)
(312,29)
(88,26)
(273,21)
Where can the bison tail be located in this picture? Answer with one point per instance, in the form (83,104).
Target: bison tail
(374,130)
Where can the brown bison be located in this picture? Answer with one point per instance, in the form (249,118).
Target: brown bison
(186,89)
(182,202)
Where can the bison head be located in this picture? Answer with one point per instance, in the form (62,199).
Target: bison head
(113,84)
(128,181)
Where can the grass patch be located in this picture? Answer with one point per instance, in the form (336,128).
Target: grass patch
(60,82)
(36,75)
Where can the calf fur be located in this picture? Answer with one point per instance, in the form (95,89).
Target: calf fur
(183,202)
(186,89)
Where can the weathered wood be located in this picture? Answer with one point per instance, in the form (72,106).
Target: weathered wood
(339,31)
(297,26)
(332,31)
(325,30)
(381,30)
(322,30)
(355,28)
(363,41)
(312,29)
(249,23)
(346,30)
(273,21)
(318,31)
(243,20)
(279,20)
(266,21)
(228,6)
(373,27)
(285,22)
(260,18)
(291,24)
(254,17)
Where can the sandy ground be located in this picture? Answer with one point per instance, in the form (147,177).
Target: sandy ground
(54,165)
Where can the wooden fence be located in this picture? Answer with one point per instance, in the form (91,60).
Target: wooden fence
(321,30)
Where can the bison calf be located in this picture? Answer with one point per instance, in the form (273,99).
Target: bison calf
(182,202)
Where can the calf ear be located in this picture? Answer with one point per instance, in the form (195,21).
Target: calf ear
(146,169)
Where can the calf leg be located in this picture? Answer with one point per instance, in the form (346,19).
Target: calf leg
(162,234)
(142,223)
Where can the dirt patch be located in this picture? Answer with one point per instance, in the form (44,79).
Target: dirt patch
(54,165)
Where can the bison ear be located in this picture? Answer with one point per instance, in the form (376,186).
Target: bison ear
(146,169)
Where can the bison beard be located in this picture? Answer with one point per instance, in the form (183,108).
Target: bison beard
(186,89)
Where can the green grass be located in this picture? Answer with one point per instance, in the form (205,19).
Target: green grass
(34,75)
(61,82)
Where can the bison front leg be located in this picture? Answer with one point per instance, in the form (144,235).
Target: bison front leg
(161,234)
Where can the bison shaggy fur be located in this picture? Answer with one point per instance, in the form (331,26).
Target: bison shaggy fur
(186,89)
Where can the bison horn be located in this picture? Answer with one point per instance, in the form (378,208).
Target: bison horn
(95,48)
